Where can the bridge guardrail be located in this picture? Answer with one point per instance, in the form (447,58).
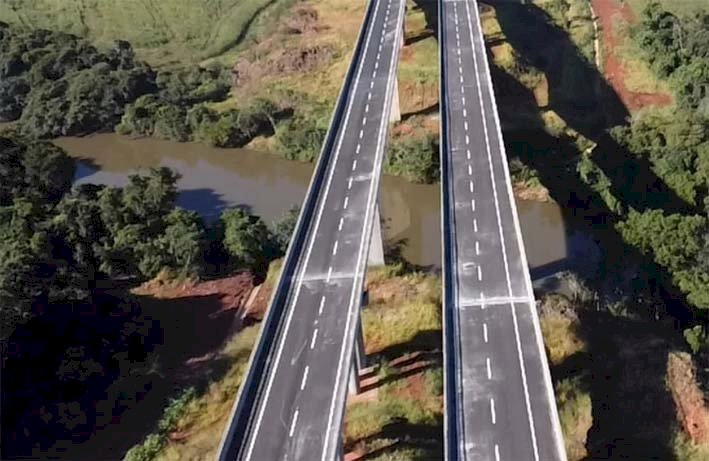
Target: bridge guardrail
(260,359)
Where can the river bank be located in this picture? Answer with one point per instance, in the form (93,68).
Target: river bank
(213,179)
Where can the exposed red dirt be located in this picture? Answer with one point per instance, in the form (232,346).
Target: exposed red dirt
(609,11)
(692,413)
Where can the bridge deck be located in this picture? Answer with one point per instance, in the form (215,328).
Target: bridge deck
(498,392)
(293,404)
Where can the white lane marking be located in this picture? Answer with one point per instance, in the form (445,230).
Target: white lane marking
(467,153)
(463,98)
(347,201)
(361,133)
(366,108)
(359,147)
(460,69)
(493,416)
(477,248)
(462,91)
(480,274)
(475,225)
(282,343)
(334,248)
(371,84)
(376,64)
(485,332)
(364,121)
(339,226)
(349,183)
(374,74)
(354,164)
(465,112)
(472,202)
(329,452)
(314,338)
(379,54)
(293,421)
(489,368)
(522,367)
(369,96)
(329,274)
(471,187)
(465,125)
(461,79)
(470,173)
(497,453)
(467,139)
(305,378)
(322,304)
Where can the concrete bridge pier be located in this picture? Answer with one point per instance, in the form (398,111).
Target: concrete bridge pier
(376,244)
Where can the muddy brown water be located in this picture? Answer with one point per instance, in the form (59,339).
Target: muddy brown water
(213,179)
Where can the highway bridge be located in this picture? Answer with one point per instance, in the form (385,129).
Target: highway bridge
(498,393)
(499,402)
(291,404)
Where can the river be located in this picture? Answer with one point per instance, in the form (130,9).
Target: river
(213,179)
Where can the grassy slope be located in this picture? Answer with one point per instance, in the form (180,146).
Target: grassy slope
(163,31)
(403,310)
(405,414)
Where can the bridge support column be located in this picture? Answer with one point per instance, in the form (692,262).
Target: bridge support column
(395,114)
(376,244)
(353,385)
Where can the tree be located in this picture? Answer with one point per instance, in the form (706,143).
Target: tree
(178,249)
(38,171)
(246,238)
(283,229)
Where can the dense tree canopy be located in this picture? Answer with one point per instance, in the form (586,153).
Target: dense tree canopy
(58,84)
(678,48)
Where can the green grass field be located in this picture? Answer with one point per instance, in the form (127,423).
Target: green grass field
(162,31)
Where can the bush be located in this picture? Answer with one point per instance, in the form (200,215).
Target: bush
(416,159)
(301,137)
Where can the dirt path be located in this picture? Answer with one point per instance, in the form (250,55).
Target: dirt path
(609,11)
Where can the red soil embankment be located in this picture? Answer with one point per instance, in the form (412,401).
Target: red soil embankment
(608,11)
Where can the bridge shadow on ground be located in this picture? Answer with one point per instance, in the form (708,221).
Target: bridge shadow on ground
(582,97)
(633,412)
(84,380)
(624,371)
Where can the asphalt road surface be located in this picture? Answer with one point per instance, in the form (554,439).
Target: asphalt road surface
(300,402)
(499,397)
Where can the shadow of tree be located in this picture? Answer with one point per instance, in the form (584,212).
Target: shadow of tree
(78,375)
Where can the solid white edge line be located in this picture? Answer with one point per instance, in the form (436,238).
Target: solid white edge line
(551,401)
(299,278)
(502,237)
(326,455)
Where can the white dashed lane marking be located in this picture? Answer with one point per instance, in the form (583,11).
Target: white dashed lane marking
(293,422)
(305,378)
